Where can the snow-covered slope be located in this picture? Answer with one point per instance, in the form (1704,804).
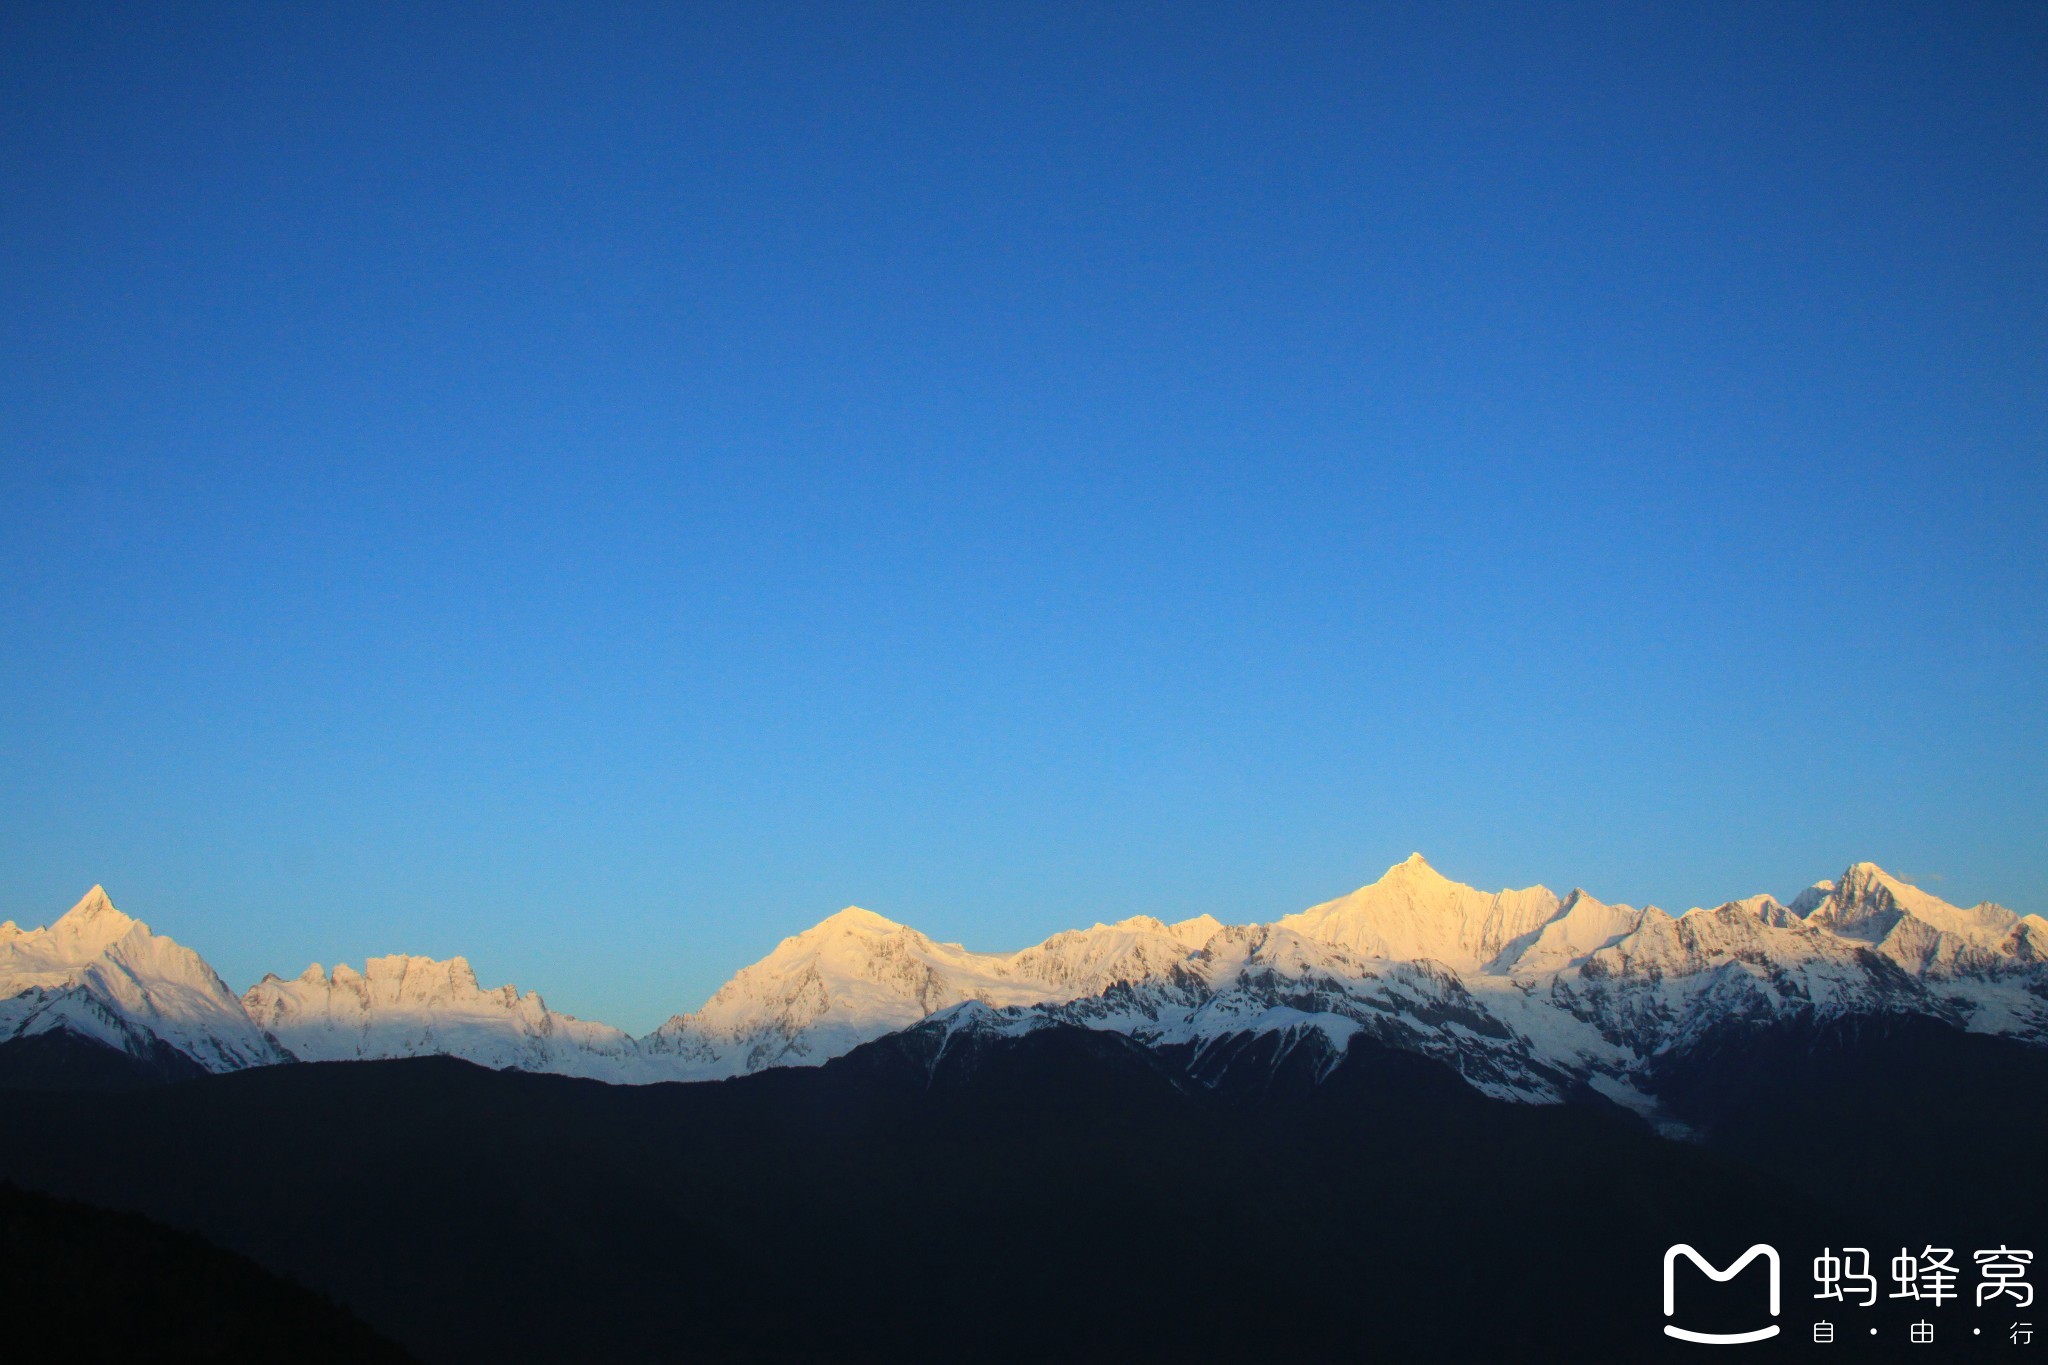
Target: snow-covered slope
(847,980)
(1581,926)
(1525,995)
(1414,913)
(414,1006)
(101,975)
(1918,931)
(856,976)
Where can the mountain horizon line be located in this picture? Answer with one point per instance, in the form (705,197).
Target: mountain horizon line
(97,900)
(1528,995)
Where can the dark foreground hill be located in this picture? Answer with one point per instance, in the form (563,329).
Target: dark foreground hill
(1065,1196)
(86,1284)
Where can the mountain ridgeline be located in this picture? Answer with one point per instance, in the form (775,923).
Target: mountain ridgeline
(1525,995)
(1417,1123)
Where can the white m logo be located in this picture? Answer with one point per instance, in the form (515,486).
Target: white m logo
(1770,1254)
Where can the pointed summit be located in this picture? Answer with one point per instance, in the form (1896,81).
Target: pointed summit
(1867,881)
(859,920)
(1869,903)
(88,927)
(848,936)
(104,976)
(1865,875)
(1415,912)
(91,906)
(1413,867)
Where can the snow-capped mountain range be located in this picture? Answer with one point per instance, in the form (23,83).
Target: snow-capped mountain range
(1526,995)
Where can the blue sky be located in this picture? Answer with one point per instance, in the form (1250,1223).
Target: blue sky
(598,488)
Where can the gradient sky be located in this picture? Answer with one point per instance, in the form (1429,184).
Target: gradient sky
(597,488)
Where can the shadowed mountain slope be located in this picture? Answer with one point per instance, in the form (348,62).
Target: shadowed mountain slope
(1064,1195)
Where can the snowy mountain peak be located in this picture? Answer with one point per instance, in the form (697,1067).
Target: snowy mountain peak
(1811,899)
(1149,923)
(82,933)
(1767,909)
(93,905)
(1871,905)
(1582,926)
(1868,881)
(401,974)
(1197,931)
(1192,933)
(858,975)
(102,975)
(1414,913)
(403,1006)
(454,975)
(92,924)
(1517,989)
(1413,869)
(856,920)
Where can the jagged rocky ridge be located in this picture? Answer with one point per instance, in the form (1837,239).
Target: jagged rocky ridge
(1528,996)
(401,1006)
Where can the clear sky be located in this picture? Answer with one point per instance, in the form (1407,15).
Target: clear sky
(597,488)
